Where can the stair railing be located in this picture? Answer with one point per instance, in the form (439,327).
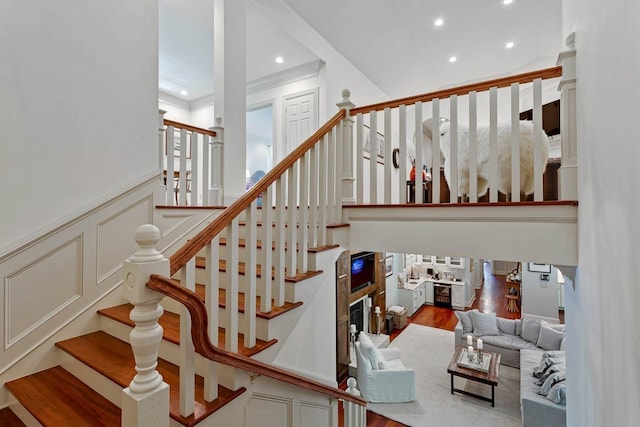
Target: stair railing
(486,160)
(301,196)
(191,160)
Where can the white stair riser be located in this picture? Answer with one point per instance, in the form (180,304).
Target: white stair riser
(24,415)
(107,388)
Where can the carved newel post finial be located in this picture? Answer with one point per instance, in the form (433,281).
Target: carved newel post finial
(346,94)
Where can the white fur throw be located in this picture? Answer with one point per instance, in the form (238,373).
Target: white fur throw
(504,155)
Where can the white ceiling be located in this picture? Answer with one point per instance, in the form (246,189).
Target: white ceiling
(393,42)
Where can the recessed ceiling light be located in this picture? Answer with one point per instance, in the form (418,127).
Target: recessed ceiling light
(507,1)
(509,45)
(279,59)
(184,93)
(453,59)
(438,22)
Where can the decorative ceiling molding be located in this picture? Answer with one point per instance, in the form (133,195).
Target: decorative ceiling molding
(294,74)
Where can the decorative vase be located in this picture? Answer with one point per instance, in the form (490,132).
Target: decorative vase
(412,174)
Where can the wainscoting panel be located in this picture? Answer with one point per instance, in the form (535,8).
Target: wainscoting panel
(266,410)
(171,221)
(314,414)
(37,291)
(116,236)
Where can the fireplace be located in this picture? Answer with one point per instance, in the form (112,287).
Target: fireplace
(442,295)
(357,314)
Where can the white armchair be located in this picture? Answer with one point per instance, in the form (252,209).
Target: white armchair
(381,375)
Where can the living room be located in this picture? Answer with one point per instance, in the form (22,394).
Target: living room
(538,298)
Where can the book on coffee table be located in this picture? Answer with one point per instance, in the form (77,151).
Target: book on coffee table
(474,362)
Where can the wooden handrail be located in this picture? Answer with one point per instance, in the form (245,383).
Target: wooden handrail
(547,73)
(200,240)
(179,125)
(203,345)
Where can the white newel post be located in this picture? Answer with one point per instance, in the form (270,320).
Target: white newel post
(216,188)
(145,403)
(354,415)
(346,151)
(568,172)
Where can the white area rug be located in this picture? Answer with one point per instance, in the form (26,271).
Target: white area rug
(428,351)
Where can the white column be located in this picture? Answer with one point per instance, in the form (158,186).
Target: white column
(568,172)
(347,177)
(230,103)
(146,401)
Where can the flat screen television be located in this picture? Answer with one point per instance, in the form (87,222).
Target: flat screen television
(363,270)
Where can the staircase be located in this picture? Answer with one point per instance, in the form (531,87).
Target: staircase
(96,366)
(243,321)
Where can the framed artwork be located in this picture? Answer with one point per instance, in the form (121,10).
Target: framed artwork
(539,268)
(366,147)
(388,265)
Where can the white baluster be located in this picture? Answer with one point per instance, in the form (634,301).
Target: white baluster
(373,157)
(193,186)
(206,171)
(313,197)
(419,159)
(359,159)
(171,198)
(568,172)
(538,166)
(453,159)
(279,255)
(250,271)
(322,191)
(212,300)
(231,311)
(388,164)
(266,259)
(303,215)
(162,135)
(146,401)
(435,172)
(515,142)
(493,144)
(337,209)
(331,176)
(182,177)
(187,351)
(292,220)
(402,158)
(473,148)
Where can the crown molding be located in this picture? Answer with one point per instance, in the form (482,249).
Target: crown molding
(294,74)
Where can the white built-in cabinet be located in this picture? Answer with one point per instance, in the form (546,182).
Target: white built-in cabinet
(413,296)
(457,295)
(428,291)
(442,261)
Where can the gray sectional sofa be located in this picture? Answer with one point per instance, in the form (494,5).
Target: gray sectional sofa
(507,336)
(537,410)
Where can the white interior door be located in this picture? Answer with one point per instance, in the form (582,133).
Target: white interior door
(301,118)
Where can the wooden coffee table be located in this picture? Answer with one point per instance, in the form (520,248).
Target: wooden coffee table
(490,378)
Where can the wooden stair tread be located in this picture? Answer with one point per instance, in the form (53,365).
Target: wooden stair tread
(113,358)
(52,397)
(9,419)
(170,323)
(222,297)
(222,266)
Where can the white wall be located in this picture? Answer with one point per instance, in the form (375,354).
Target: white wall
(539,297)
(603,340)
(79,92)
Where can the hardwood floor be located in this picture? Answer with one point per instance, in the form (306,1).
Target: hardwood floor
(489,298)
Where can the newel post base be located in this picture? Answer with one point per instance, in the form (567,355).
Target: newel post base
(568,172)
(216,184)
(146,401)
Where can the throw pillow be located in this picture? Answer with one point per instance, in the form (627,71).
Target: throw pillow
(551,370)
(465,319)
(506,326)
(484,324)
(548,338)
(518,327)
(530,330)
(558,393)
(545,363)
(370,351)
(551,381)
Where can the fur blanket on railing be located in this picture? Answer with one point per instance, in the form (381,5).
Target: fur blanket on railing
(504,155)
